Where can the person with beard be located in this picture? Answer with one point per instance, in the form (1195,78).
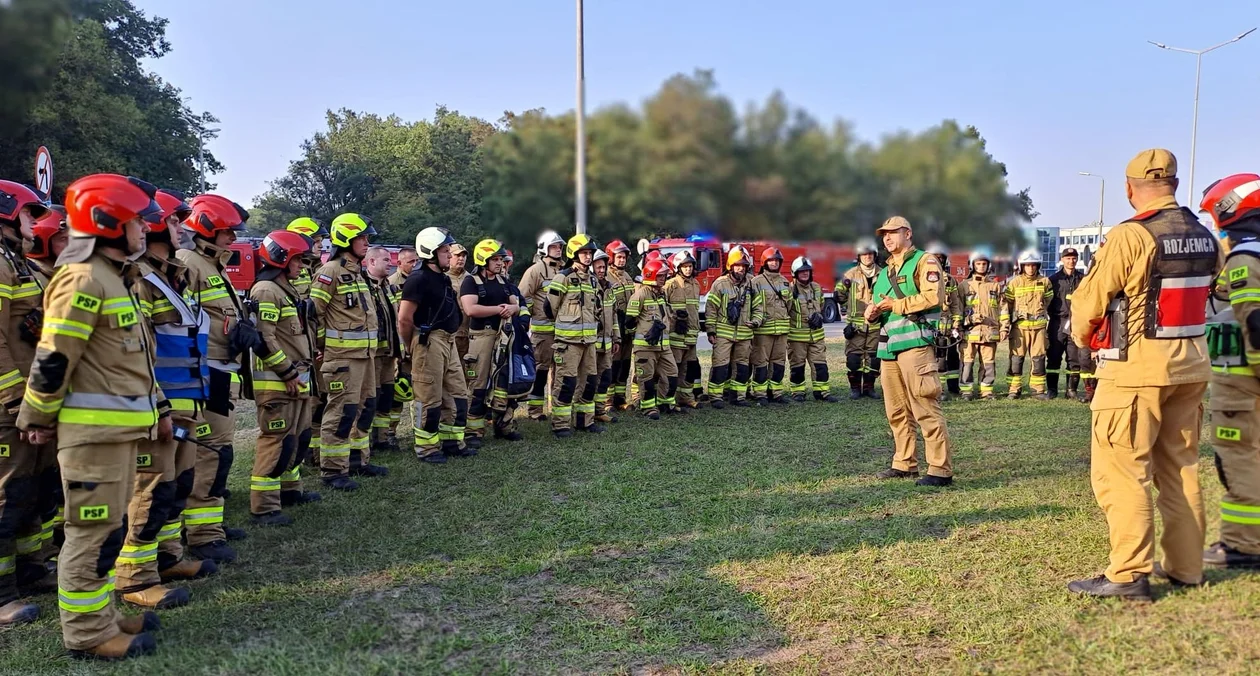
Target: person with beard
(542,328)
(984,323)
(733,311)
(861,339)
(807,346)
(682,292)
(92,389)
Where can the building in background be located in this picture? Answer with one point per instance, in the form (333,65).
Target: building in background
(1084,239)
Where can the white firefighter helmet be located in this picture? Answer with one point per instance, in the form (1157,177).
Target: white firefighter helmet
(937,248)
(979,255)
(548,238)
(801,263)
(866,246)
(1029,257)
(682,258)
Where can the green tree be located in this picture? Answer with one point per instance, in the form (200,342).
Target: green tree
(100,111)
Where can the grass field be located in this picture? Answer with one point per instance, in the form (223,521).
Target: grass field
(735,541)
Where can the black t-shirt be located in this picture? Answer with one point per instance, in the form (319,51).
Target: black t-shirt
(492,293)
(436,304)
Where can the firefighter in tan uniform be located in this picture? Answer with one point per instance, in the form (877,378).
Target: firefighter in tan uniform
(769,349)
(541,324)
(92,388)
(986,322)
(428,318)
(607,337)
(682,293)
(950,326)
(51,235)
(861,338)
(1027,297)
(388,354)
(732,310)
(214,222)
(403,391)
(316,232)
(908,297)
(152,552)
(22,484)
(489,300)
(656,376)
(622,283)
(571,301)
(1142,309)
(283,380)
(458,273)
(1234,348)
(807,346)
(346,310)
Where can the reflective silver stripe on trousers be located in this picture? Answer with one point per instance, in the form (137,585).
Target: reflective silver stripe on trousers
(350,335)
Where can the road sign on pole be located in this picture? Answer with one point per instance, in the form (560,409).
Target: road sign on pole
(44,172)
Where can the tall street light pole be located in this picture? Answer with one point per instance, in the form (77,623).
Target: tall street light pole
(1198,70)
(580,169)
(1102,196)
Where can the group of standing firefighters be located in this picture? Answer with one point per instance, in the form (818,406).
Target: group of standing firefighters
(125,349)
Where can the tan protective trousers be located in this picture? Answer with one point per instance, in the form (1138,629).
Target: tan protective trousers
(351,388)
(573,385)
(386,369)
(1236,440)
(688,365)
(769,364)
(653,370)
(987,353)
(203,516)
(282,422)
(809,359)
(21,488)
(911,386)
(729,368)
(441,403)
(151,502)
(1142,436)
(544,358)
(169,538)
(482,346)
(1028,343)
(97,481)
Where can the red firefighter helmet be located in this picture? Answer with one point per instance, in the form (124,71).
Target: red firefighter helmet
(212,213)
(615,247)
(45,229)
(771,253)
(14,197)
(1232,199)
(281,246)
(652,270)
(172,204)
(100,205)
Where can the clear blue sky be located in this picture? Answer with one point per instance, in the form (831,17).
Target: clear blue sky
(1055,87)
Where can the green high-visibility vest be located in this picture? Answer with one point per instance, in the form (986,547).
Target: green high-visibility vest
(901,333)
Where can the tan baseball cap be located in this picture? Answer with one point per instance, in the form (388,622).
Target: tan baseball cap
(893,224)
(1153,163)
(457,249)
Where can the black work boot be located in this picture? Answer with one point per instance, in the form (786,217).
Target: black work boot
(234,534)
(935,481)
(18,612)
(1180,584)
(1222,555)
(341,482)
(892,473)
(294,498)
(855,394)
(798,398)
(1100,587)
(276,518)
(562,434)
(718,403)
(368,469)
(217,551)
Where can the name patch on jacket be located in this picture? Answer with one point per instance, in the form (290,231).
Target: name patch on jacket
(214,280)
(1175,247)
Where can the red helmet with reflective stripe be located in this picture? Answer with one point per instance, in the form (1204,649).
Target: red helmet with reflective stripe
(212,213)
(45,229)
(652,270)
(14,197)
(172,204)
(1232,199)
(100,205)
(281,246)
(771,253)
